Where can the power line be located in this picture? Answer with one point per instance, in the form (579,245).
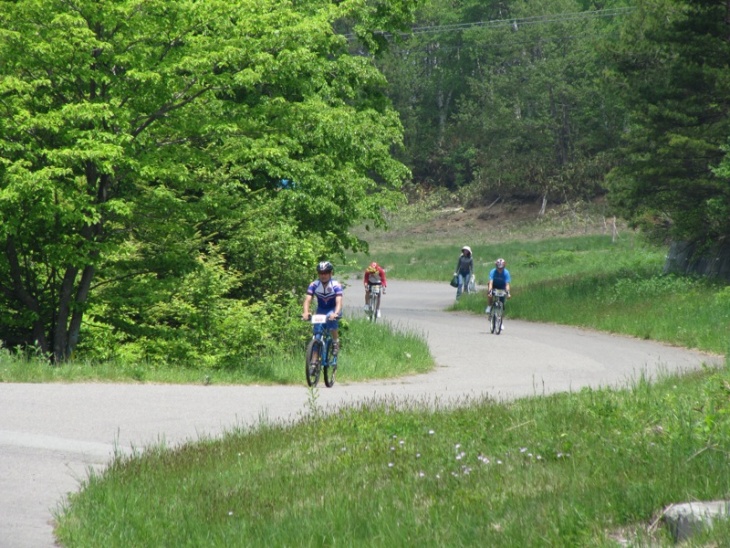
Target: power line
(515,24)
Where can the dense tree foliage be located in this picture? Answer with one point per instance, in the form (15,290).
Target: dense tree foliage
(566,99)
(672,64)
(508,97)
(171,169)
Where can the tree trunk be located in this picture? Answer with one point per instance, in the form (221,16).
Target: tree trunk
(60,325)
(443,101)
(78,311)
(21,294)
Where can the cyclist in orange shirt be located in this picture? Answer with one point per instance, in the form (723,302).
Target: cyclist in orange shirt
(374,275)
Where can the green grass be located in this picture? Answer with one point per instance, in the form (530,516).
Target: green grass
(528,262)
(389,354)
(564,470)
(615,287)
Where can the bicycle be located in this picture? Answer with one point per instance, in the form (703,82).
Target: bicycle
(373,302)
(497,313)
(319,355)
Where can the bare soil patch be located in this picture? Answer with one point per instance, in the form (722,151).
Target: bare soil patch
(498,222)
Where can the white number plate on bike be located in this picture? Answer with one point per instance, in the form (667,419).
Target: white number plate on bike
(499,292)
(319,318)
(375,288)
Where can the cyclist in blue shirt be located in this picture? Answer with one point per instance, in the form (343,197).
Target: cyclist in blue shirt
(329,300)
(499,278)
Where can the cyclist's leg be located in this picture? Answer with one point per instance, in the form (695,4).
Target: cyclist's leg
(501,313)
(335,332)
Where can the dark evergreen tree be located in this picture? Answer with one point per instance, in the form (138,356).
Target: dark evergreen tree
(673,61)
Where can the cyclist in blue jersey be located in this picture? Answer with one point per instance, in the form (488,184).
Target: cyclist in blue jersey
(499,278)
(329,300)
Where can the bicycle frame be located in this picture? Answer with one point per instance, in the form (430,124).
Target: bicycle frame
(374,299)
(500,294)
(497,314)
(320,331)
(319,352)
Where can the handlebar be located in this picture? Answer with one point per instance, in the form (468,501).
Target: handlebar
(320,318)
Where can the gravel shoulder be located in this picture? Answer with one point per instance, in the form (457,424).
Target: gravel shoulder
(52,434)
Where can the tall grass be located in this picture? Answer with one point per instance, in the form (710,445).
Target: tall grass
(617,287)
(389,354)
(584,469)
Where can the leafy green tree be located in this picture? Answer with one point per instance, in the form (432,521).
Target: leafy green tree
(138,136)
(540,112)
(428,72)
(672,63)
(508,97)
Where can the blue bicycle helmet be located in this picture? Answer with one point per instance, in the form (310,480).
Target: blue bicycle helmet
(325,266)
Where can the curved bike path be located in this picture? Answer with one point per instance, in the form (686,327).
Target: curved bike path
(52,434)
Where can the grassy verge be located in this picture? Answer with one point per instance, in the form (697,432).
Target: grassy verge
(389,354)
(587,469)
(616,287)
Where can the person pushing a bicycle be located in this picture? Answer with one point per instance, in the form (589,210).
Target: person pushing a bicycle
(329,300)
(374,275)
(499,278)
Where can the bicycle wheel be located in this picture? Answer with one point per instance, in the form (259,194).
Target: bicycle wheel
(498,313)
(372,313)
(492,319)
(331,368)
(313,365)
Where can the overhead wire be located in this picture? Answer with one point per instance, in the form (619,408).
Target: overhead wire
(514,23)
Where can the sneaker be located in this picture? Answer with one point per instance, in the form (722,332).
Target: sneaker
(366,308)
(502,329)
(488,310)
(377,314)
(312,369)
(335,348)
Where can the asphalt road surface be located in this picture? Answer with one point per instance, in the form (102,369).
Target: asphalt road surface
(52,434)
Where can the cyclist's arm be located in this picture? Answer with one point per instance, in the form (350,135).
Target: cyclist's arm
(305,307)
(382,277)
(338,306)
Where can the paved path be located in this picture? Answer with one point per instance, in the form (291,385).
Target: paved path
(51,434)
